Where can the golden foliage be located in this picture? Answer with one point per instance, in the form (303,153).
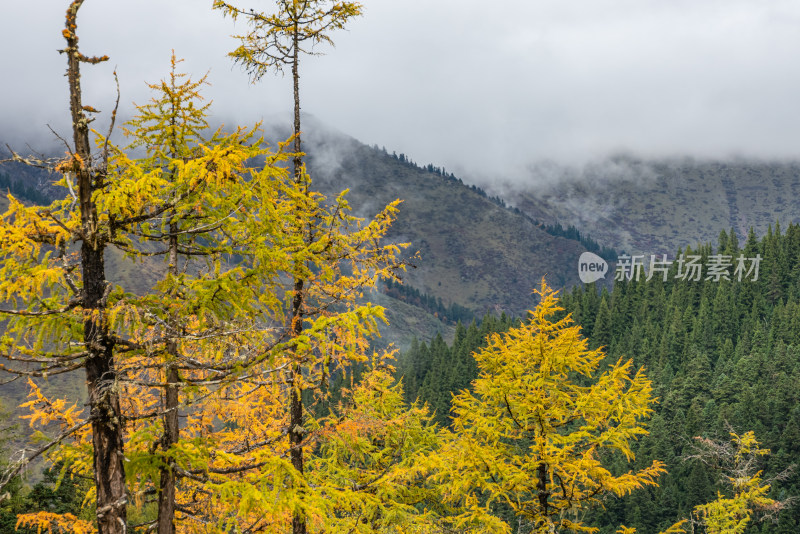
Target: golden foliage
(54,523)
(731,515)
(677,528)
(531,432)
(222,320)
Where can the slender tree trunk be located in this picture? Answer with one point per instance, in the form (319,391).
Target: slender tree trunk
(297,161)
(544,495)
(296,430)
(105,412)
(167,479)
(296,440)
(166,490)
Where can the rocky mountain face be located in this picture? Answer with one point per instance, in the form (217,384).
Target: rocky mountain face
(655,207)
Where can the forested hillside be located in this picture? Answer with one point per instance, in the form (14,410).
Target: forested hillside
(475,253)
(724,356)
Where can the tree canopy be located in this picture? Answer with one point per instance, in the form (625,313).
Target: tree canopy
(537,422)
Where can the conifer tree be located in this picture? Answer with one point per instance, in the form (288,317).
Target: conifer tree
(240,374)
(170,129)
(532,436)
(372,467)
(60,319)
(217,206)
(601,333)
(732,514)
(276,41)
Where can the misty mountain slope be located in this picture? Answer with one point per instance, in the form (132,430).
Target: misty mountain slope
(472,251)
(658,206)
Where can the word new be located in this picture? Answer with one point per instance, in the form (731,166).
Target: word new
(591,267)
(689,267)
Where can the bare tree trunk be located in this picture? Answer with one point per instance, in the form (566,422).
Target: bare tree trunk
(166,489)
(296,430)
(297,161)
(166,492)
(105,412)
(544,495)
(167,478)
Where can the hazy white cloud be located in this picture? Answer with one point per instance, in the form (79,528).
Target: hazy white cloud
(481,88)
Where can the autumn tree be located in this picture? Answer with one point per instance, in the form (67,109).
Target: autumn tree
(170,128)
(540,420)
(277,40)
(195,199)
(59,300)
(233,457)
(224,328)
(274,42)
(373,459)
(748,495)
(206,302)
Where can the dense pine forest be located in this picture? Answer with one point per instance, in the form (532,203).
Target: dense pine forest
(724,357)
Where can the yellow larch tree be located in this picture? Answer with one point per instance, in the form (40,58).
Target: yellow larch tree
(233,457)
(371,462)
(534,428)
(230,462)
(197,323)
(276,41)
(738,461)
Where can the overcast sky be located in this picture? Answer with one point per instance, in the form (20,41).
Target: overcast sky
(483,88)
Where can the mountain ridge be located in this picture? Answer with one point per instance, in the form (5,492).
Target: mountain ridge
(659,206)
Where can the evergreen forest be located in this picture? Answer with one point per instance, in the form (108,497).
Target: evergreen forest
(724,356)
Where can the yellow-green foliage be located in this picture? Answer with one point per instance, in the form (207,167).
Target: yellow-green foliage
(242,232)
(731,515)
(276,39)
(370,466)
(236,342)
(533,430)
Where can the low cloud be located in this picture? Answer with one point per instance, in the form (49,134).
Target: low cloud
(483,92)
